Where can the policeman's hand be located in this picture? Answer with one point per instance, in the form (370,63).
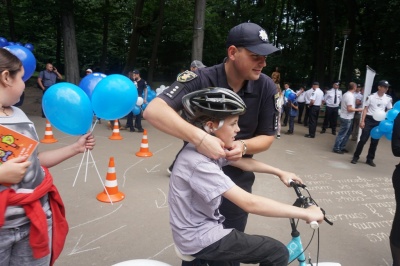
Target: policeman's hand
(235,152)
(14,170)
(286,177)
(211,147)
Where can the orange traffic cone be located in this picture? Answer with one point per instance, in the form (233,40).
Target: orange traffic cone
(144,147)
(115,134)
(48,134)
(111,193)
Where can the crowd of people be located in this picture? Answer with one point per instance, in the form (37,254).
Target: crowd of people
(229,117)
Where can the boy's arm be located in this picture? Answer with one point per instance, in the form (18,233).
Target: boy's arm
(251,165)
(271,208)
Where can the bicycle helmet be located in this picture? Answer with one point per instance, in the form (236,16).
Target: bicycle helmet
(215,103)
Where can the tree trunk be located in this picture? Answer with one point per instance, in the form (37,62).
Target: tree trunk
(106,20)
(157,38)
(134,40)
(70,51)
(198,30)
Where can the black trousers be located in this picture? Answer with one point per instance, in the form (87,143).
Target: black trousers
(301,109)
(312,125)
(286,110)
(307,115)
(331,116)
(249,249)
(395,233)
(370,123)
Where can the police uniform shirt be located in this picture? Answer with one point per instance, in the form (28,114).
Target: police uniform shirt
(301,96)
(375,103)
(359,96)
(307,95)
(330,97)
(259,96)
(317,96)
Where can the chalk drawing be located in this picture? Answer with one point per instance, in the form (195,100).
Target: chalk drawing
(77,250)
(165,203)
(94,220)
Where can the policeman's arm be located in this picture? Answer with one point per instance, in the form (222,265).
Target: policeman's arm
(254,145)
(363,115)
(164,118)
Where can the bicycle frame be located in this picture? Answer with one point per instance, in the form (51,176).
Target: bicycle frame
(295,246)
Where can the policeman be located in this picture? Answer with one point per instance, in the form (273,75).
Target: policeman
(247,46)
(378,101)
(314,106)
(332,99)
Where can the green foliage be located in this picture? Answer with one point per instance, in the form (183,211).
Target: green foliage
(310,34)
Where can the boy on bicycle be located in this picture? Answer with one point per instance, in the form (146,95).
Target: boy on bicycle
(198,183)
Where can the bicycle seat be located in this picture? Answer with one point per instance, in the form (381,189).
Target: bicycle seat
(183,257)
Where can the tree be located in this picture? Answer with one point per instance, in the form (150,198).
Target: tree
(198,30)
(69,41)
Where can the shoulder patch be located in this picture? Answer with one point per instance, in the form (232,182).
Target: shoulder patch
(186,76)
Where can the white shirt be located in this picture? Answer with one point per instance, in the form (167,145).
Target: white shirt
(359,96)
(301,96)
(348,99)
(329,97)
(376,102)
(307,95)
(317,96)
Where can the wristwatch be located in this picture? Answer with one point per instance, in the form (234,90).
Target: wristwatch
(244,147)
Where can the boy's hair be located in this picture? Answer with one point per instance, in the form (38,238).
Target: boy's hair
(8,61)
(212,104)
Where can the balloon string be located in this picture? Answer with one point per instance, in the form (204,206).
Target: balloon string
(108,195)
(94,124)
(79,168)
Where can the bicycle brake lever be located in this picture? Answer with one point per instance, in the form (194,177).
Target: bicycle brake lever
(326,219)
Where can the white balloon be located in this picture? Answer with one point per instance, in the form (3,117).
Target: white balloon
(139,101)
(379,115)
(158,91)
(162,87)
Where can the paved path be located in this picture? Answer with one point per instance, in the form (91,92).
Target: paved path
(358,198)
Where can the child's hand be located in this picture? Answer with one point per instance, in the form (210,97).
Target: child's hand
(86,141)
(14,170)
(288,176)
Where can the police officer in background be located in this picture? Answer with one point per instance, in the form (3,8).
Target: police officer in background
(378,101)
(332,100)
(315,104)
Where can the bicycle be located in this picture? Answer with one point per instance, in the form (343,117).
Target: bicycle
(295,246)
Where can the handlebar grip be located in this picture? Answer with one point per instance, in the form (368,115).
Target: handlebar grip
(314,225)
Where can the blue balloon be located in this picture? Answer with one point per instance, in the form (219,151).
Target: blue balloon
(89,82)
(3,42)
(376,133)
(27,58)
(287,93)
(392,114)
(68,108)
(114,97)
(136,110)
(292,97)
(11,43)
(144,106)
(18,43)
(385,126)
(29,46)
(396,106)
(388,135)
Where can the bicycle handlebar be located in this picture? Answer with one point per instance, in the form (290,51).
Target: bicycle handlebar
(305,202)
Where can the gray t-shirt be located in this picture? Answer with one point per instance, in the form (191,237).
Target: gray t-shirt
(196,185)
(15,215)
